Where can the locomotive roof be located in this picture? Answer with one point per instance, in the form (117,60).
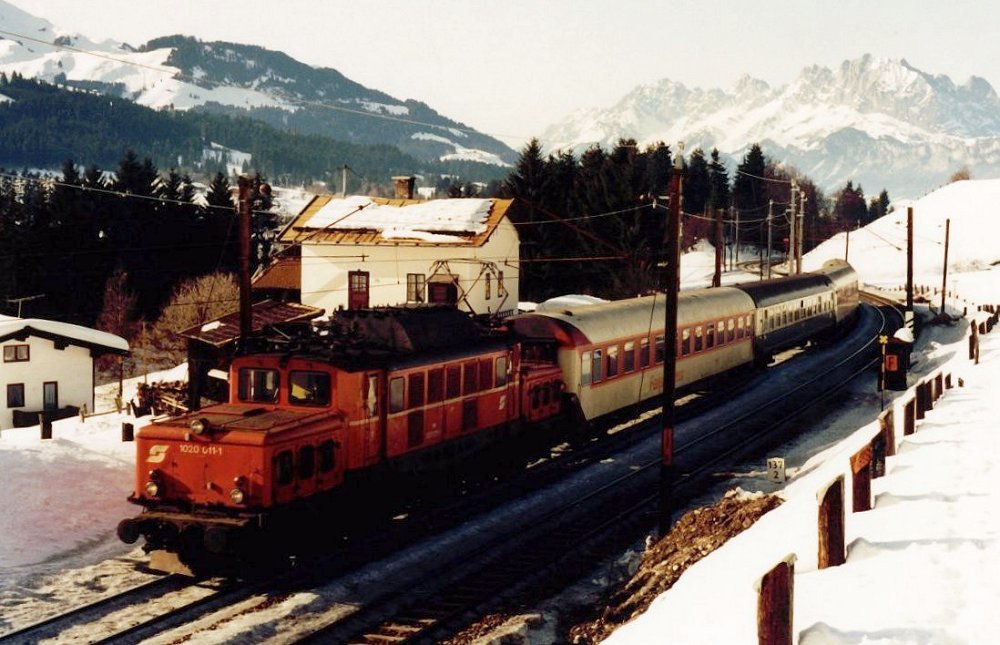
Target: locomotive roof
(628,318)
(778,290)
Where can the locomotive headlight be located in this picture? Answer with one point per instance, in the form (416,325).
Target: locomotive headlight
(152,489)
(238,494)
(199,426)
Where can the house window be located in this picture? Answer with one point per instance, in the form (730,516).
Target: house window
(488,287)
(16,353)
(50,395)
(416,285)
(357,289)
(15,395)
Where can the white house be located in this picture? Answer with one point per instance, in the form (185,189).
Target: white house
(356,252)
(48,365)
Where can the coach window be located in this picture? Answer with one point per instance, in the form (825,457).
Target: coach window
(629,357)
(739,327)
(309,388)
(685,341)
(659,350)
(416,390)
(500,375)
(258,385)
(585,368)
(612,362)
(710,336)
(597,364)
(453,384)
(470,377)
(325,452)
(435,385)
(307,462)
(396,390)
(749,325)
(644,353)
(721,332)
(699,341)
(283,467)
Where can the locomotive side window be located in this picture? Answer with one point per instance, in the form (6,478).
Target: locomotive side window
(486,374)
(309,388)
(644,353)
(585,368)
(629,357)
(416,390)
(453,386)
(612,362)
(435,385)
(396,389)
(258,385)
(597,364)
(307,462)
(470,377)
(501,371)
(325,456)
(283,467)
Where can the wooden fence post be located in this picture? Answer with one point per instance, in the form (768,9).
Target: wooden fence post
(910,416)
(775,604)
(861,481)
(887,421)
(45,423)
(831,526)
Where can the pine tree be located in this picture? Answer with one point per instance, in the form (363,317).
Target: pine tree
(697,184)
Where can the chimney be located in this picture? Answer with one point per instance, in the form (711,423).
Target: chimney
(404,186)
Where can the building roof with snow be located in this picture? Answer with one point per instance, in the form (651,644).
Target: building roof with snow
(99,342)
(370,221)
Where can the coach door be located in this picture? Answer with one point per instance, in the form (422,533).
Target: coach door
(357,289)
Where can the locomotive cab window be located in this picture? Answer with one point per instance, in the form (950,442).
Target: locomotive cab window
(258,385)
(309,388)
(396,391)
(501,371)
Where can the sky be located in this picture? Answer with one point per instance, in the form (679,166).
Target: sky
(512,68)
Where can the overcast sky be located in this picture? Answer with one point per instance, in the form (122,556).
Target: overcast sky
(512,68)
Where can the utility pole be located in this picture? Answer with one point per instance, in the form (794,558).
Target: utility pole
(908,314)
(736,256)
(343,180)
(944,278)
(671,285)
(847,243)
(719,249)
(791,233)
(244,212)
(802,232)
(770,208)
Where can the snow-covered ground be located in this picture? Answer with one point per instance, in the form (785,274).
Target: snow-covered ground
(61,499)
(921,564)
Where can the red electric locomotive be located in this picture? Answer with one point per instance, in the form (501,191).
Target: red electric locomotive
(407,390)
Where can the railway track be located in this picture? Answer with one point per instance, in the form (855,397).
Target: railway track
(518,563)
(567,540)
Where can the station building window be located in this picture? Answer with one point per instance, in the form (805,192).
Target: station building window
(416,287)
(16,353)
(15,395)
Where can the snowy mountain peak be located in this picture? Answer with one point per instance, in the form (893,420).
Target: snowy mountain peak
(877,121)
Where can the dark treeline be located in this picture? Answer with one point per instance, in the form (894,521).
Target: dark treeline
(45,124)
(594,224)
(63,239)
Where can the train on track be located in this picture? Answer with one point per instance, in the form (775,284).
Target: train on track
(325,418)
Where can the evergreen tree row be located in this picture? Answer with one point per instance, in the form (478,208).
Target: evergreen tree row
(594,224)
(63,239)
